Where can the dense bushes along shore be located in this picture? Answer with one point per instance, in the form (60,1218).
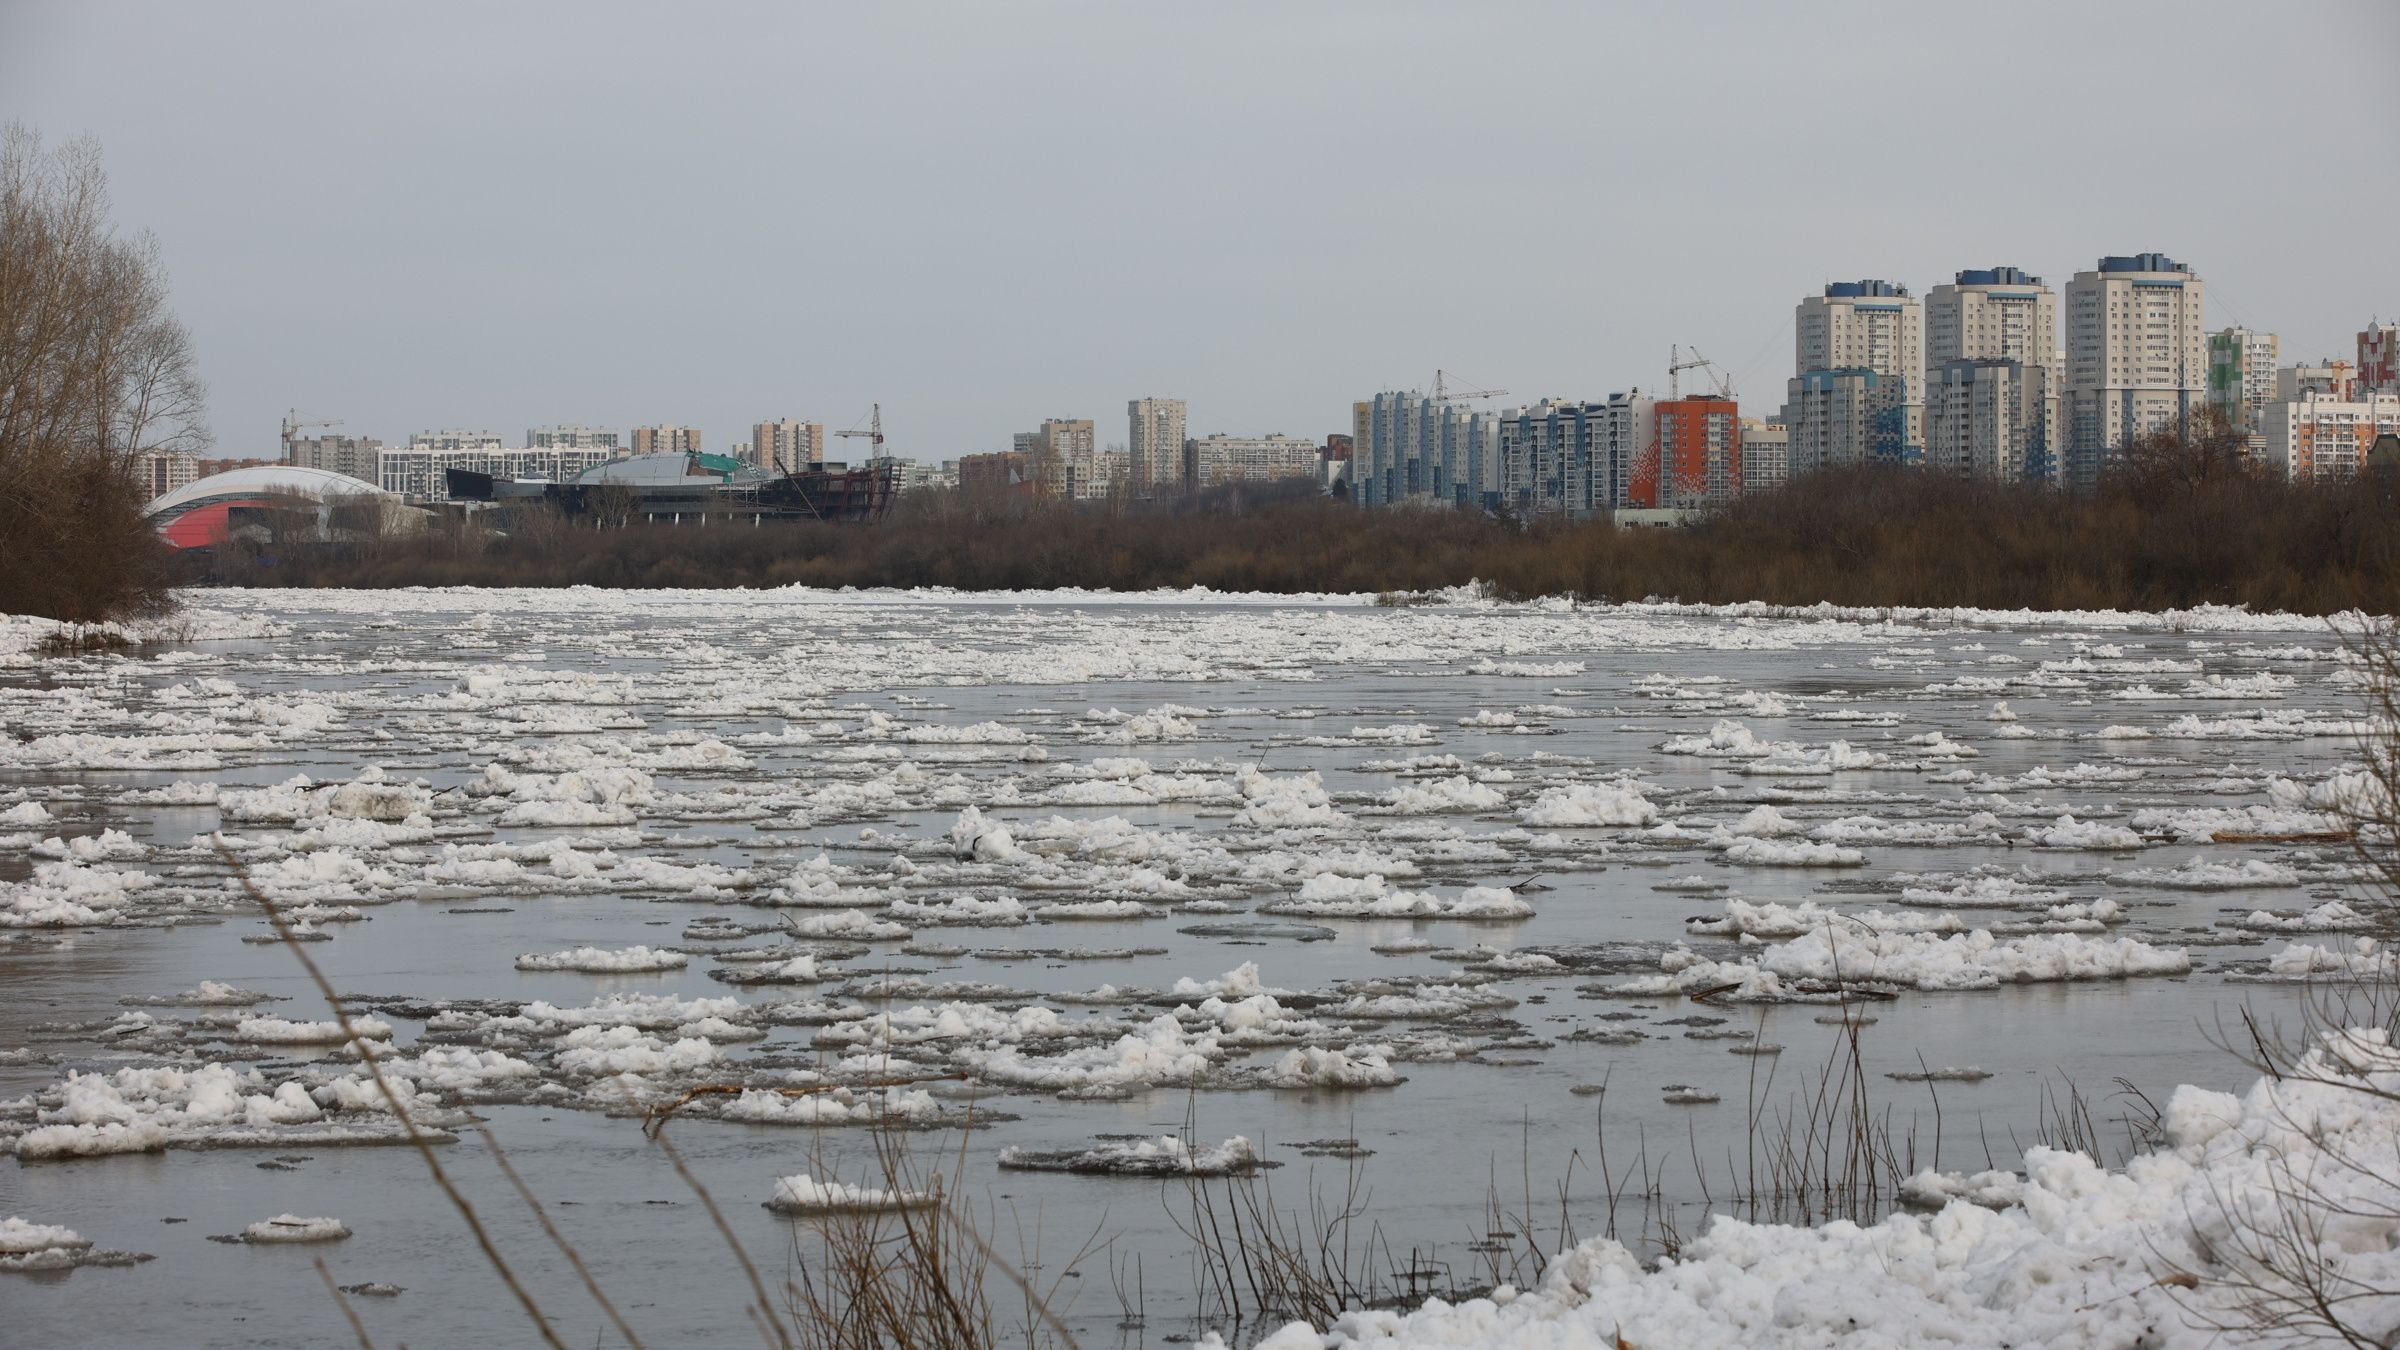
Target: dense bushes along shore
(2169,532)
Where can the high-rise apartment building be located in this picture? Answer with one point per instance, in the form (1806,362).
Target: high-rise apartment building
(1154,445)
(568,436)
(1991,381)
(1411,447)
(358,456)
(1213,460)
(791,443)
(2379,359)
(1696,459)
(1873,333)
(2137,358)
(2241,376)
(667,439)
(1065,455)
(1575,458)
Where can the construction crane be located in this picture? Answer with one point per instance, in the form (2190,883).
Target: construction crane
(1676,365)
(874,433)
(293,426)
(1441,390)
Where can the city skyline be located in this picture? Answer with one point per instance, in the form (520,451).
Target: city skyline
(472,248)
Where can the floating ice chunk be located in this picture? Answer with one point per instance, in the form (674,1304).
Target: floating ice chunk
(973,837)
(1240,982)
(1528,669)
(2198,874)
(1774,853)
(850,923)
(1764,822)
(1327,895)
(90,1141)
(293,1228)
(2000,713)
(604,960)
(19,1236)
(1581,804)
(2331,917)
(107,846)
(602,1051)
(804,1194)
(1165,1156)
(25,816)
(2068,832)
(998,911)
(1296,802)
(1160,1053)
(277,1031)
(1442,794)
(1783,921)
(1311,1067)
(2366,956)
(1094,909)
(1839,954)
(1130,729)
(981,733)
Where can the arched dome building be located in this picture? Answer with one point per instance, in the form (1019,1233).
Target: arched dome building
(201,513)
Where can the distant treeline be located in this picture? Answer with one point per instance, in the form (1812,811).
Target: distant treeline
(2179,526)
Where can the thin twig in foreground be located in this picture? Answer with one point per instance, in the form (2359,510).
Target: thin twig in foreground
(766,1308)
(574,1257)
(366,1053)
(342,1301)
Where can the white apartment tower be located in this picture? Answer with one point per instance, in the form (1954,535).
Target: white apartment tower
(2137,358)
(1865,339)
(568,436)
(1991,379)
(1154,445)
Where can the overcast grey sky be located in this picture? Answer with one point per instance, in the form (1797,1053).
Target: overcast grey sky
(497,216)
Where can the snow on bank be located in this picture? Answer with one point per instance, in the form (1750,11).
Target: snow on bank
(2066,1254)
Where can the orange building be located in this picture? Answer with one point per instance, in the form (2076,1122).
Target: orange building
(1696,457)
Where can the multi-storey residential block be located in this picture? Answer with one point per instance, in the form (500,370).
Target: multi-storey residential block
(447,441)
(1411,447)
(358,456)
(1864,328)
(161,472)
(1992,418)
(1006,473)
(1766,454)
(2137,358)
(1991,386)
(1062,455)
(2241,376)
(1844,417)
(1154,445)
(1575,458)
(668,439)
(2318,438)
(1696,458)
(2379,359)
(2336,380)
(567,436)
(1213,460)
(790,443)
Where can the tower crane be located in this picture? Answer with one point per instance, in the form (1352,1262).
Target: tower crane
(1676,365)
(293,426)
(1442,393)
(874,433)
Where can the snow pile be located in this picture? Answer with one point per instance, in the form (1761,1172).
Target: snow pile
(1161,1052)
(1000,911)
(2063,1254)
(1776,853)
(603,960)
(277,1031)
(1785,921)
(607,1051)
(1296,802)
(840,1106)
(972,838)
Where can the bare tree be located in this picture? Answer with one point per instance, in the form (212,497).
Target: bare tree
(94,371)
